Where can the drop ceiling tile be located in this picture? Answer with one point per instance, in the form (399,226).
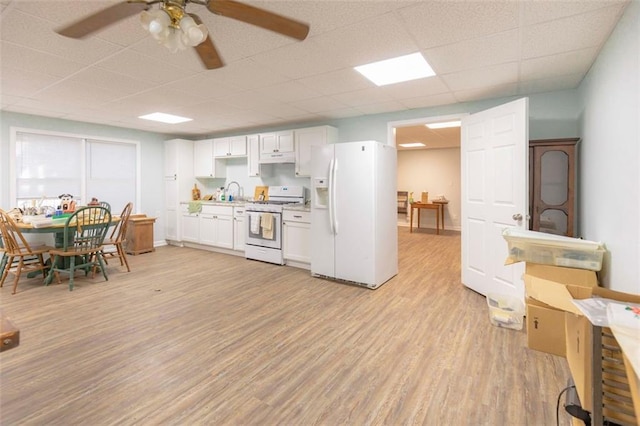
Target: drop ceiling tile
(121,85)
(143,67)
(298,60)
(428,101)
(20,57)
(29,31)
(244,75)
(573,33)
(480,52)
(368,41)
(362,97)
(380,108)
(558,65)
(551,84)
(484,77)
(20,82)
(323,103)
(205,86)
(535,12)
(438,23)
(339,113)
(333,82)
(487,92)
(287,92)
(411,89)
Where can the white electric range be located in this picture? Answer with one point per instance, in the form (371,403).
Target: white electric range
(264,223)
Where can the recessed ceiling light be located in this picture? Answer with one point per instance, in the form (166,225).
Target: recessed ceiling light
(444,125)
(395,70)
(412,145)
(165,118)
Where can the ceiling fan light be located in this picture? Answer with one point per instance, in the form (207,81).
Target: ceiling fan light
(195,35)
(160,22)
(145,19)
(174,41)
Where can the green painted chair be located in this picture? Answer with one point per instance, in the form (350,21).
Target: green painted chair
(84,234)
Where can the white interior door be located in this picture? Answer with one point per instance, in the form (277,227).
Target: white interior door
(494,151)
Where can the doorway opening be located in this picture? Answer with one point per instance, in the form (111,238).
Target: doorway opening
(433,169)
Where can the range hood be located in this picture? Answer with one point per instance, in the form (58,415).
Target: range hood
(277,157)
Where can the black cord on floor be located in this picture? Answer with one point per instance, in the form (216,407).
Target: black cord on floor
(558,403)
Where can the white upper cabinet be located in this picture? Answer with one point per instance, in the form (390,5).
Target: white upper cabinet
(234,146)
(277,147)
(204,163)
(305,139)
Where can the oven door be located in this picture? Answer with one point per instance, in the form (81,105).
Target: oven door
(259,233)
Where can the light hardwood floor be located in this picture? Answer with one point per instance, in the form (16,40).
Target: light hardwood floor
(193,337)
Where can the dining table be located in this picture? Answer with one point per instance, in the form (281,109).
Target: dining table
(56,228)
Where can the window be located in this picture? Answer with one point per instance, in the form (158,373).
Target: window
(47,165)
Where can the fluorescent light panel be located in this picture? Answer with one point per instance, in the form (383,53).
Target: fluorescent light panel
(165,118)
(444,125)
(396,70)
(412,145)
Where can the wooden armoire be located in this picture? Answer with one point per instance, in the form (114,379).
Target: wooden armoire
(552,186)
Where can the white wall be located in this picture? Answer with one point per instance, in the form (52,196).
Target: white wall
(438,172)
(609,166)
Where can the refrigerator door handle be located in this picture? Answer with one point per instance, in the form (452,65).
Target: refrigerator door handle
(331,196)
(334,185)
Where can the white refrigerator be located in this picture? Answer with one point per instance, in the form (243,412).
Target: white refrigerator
(354,233)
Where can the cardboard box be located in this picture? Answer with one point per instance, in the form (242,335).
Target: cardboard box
(557,286)
(545,328)
(578,331)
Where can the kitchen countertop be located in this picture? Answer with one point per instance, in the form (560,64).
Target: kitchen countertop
(297,207)
(219,203)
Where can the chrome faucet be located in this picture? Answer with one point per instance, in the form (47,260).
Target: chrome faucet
(239,189)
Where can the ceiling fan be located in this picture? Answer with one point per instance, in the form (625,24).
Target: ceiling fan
(172,26)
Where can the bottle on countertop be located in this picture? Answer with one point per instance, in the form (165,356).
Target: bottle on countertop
(222,197)
(195,192)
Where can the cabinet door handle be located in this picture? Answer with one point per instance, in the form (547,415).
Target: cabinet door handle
(297,217)
(517,216)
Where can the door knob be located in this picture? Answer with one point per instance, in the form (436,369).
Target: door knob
(517,216)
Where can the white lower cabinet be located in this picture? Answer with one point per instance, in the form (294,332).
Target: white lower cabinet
(213,226)
(296,236)
(216,226)
(190,226)
(238,229)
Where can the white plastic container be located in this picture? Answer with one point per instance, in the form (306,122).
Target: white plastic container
(505,311)
(550,249)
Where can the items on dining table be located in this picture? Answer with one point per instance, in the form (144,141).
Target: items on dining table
(67,203)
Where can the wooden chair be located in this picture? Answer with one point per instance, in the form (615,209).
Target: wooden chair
(105,205)
(84,233)
(18,255)
(118,237)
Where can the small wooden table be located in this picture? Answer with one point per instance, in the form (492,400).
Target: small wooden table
(429,206)
(442,204)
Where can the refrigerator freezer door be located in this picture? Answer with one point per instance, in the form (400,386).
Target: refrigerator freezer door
(322,238)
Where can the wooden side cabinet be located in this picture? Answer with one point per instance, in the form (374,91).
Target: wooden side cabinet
(139,234)
(552,186)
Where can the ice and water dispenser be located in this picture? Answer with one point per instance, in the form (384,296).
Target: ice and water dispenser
(321,188)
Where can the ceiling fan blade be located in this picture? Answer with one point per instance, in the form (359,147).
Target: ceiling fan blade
(259,17)
(102,19)
(206,50)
